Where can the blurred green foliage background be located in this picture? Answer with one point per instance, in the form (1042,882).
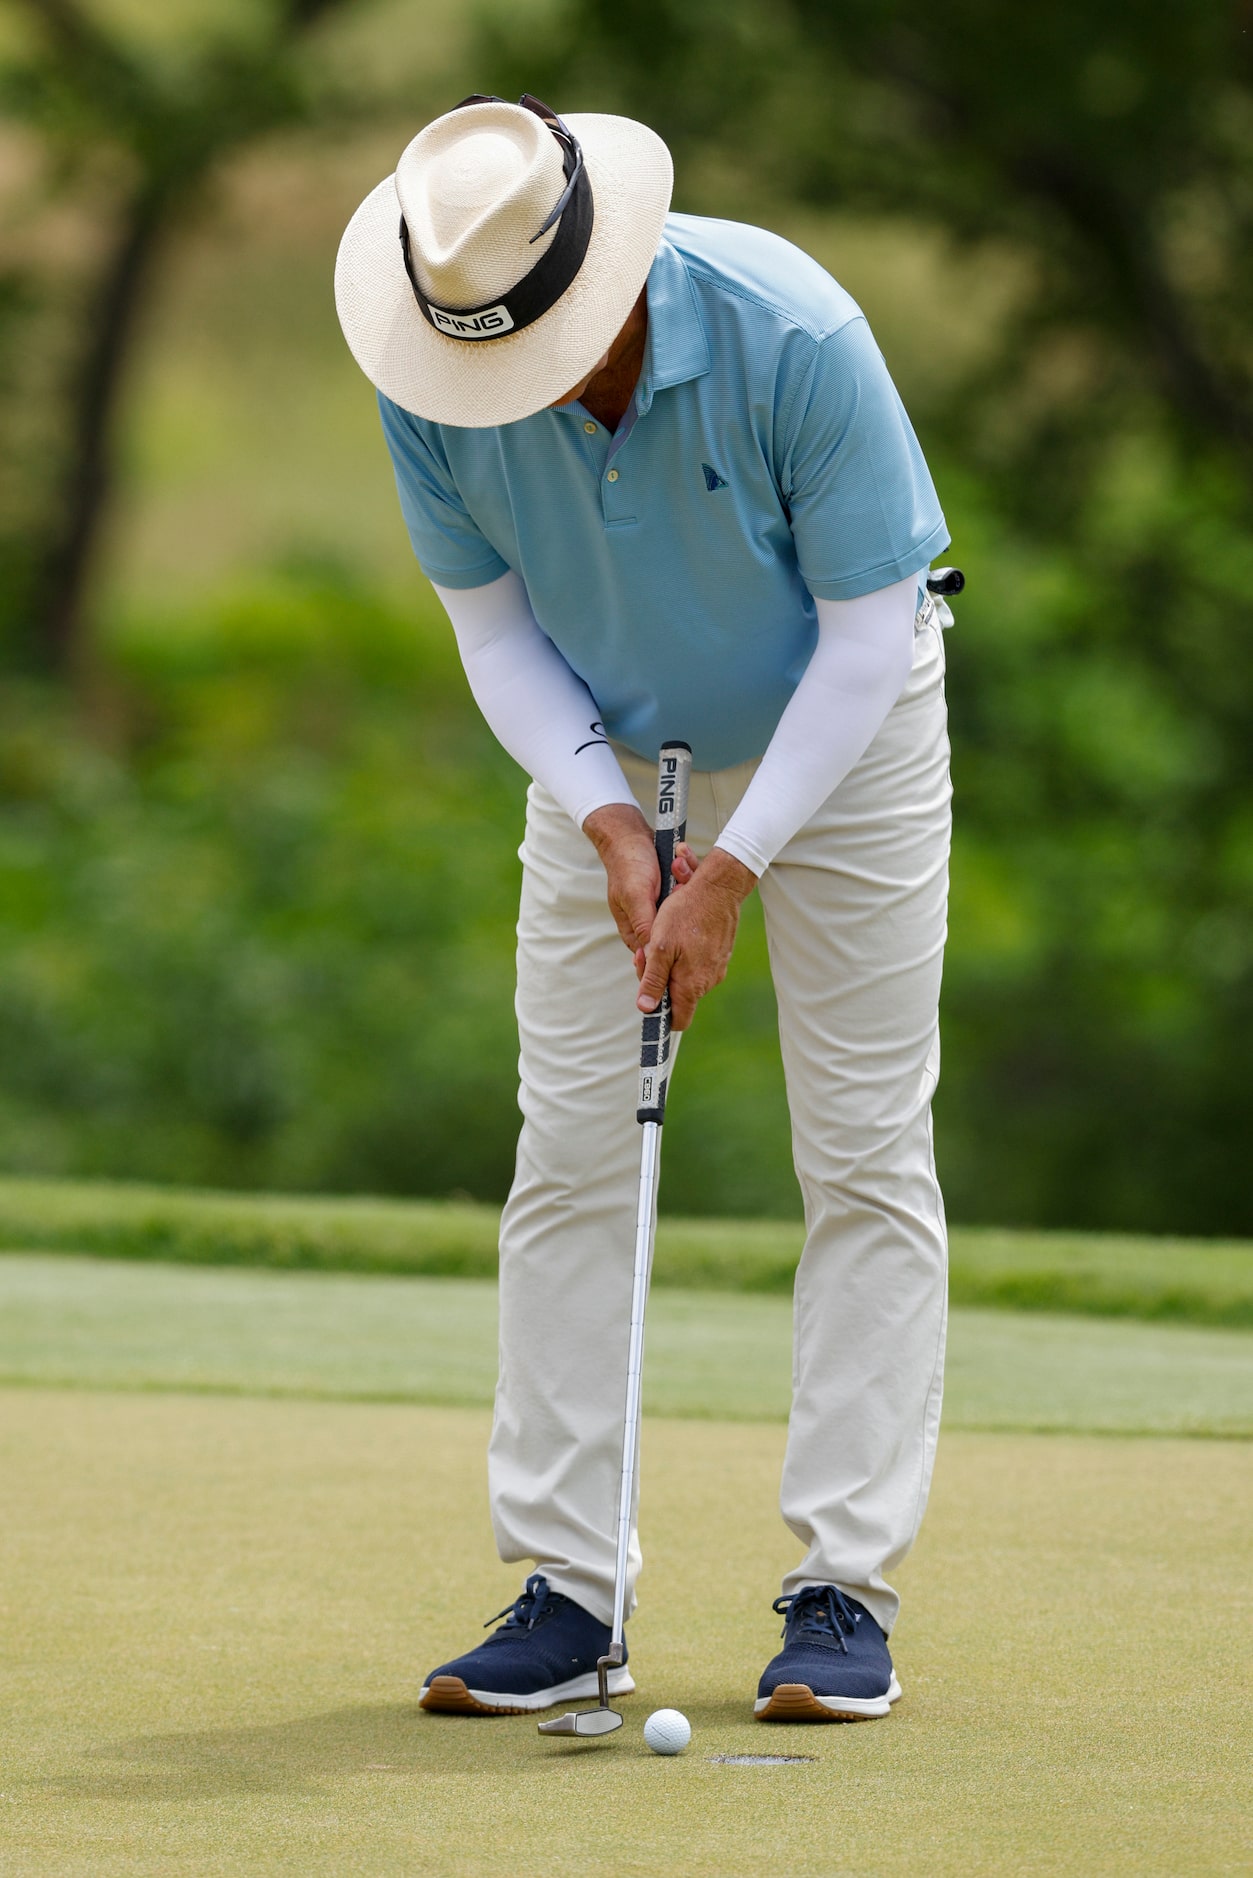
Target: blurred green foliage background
(257,853)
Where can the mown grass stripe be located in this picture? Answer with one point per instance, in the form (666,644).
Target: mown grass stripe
(112,1324)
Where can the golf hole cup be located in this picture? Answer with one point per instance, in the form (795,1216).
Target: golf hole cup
(667,1732)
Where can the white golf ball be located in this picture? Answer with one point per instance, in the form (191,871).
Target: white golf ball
(667,1732)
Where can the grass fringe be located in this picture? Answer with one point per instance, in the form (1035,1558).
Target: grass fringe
(1102,1275)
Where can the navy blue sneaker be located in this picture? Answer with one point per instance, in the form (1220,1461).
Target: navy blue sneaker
(834,1664)
(544,1652)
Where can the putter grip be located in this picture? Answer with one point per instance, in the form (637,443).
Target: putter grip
(674,773)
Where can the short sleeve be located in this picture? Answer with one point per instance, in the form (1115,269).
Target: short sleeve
(450,548)
(863,508)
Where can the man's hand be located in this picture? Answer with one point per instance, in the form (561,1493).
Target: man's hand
(687,944)
(693,933)
(624,842)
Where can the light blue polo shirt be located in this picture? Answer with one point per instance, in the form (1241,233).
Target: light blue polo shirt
(766,458)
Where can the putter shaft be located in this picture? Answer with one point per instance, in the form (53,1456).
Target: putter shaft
(650,1155)
(674,771)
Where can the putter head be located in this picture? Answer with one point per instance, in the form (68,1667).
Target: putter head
(585,1722)
(601,1720)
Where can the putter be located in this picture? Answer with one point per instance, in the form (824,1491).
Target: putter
(674,771)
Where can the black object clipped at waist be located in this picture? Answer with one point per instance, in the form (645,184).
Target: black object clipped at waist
(946,581)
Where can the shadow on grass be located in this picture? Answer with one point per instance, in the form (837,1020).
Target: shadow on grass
(211,1763)
(392,1738)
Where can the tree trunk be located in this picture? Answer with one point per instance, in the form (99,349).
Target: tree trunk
(85,483)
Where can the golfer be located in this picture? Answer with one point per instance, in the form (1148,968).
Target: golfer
(664,487)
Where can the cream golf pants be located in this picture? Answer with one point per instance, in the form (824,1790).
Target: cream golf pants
(855,909)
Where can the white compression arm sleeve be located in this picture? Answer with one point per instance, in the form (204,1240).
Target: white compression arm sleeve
(538,708)
(858,670)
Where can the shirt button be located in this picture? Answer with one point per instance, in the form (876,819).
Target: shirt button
(590,428)
(612,476)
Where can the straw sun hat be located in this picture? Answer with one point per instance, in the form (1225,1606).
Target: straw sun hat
(499,263)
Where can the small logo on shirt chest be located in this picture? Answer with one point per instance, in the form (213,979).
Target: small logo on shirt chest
(712,479)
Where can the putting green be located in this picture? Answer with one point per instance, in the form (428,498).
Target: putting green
(217,1608)
(96,1323)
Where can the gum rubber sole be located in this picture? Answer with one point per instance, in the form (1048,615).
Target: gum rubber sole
(796,1702)
(449,1695)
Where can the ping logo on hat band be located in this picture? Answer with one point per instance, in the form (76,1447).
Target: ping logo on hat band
(487,323)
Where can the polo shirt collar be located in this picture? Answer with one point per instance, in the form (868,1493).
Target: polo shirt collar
(677,348)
